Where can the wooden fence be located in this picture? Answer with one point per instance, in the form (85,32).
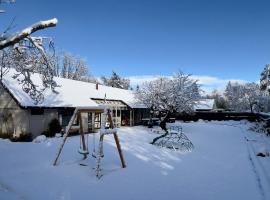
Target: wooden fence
(210,115)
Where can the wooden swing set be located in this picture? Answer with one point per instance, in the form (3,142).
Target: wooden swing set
(106,117)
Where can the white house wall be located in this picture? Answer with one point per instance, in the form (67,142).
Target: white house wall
(39,123)
(19,121)
(22,121)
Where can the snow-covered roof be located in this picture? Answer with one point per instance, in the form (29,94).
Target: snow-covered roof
(205,104)
(71,93)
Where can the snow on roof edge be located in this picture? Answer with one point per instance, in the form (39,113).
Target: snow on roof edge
(72,93)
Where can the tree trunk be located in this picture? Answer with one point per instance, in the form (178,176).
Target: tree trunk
(150,123)
(163,126)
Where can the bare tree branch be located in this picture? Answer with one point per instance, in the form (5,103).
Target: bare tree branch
(26,32)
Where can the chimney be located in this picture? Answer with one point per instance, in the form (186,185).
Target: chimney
(96,85)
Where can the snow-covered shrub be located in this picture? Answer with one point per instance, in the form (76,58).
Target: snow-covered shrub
(260,127)
(39,139)
(263,152)
(53,128)
(58,135)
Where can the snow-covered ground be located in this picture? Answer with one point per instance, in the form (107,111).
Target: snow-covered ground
(223,165)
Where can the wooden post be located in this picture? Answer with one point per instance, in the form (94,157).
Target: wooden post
(117,142)
(82,135)
(130,118)
(119,150)
(69,127)
(65,137)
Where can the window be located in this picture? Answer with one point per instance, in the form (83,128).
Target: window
(90,124)
(97,120)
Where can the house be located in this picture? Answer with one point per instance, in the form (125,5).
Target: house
(19,114)
(205,105)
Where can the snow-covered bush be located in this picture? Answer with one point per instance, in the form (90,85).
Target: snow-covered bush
(58,135)
(261,127)
(263,152)
(40,138)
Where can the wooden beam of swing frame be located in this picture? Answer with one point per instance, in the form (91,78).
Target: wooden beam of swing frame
(117,142)
(82,135)
(75,113)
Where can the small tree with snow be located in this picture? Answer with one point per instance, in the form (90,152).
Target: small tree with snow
(220,101)
(167,96)
(252,96)
(233,93)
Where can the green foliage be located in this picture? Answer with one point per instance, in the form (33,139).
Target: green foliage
(53,128)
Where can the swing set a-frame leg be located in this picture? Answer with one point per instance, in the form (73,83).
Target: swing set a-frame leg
(82,137)
(117,141)
(100,154)
(65,136)
(119,150)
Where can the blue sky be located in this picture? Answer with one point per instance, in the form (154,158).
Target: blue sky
(221,40)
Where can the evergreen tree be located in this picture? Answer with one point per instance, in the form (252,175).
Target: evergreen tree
(265,80)
(116,81)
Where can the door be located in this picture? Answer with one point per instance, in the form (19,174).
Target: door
(37,125)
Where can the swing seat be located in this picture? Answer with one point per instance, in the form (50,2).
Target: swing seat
(95,156)
(83,152)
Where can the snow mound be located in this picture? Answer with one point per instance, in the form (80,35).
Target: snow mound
(263,152)
(58,135)
(40,138)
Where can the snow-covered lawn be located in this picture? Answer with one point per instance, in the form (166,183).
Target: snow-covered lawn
(223,165)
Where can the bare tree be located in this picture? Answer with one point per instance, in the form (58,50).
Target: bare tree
(73,67)
(28,54)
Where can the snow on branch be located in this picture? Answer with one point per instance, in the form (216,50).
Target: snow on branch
(10,41)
